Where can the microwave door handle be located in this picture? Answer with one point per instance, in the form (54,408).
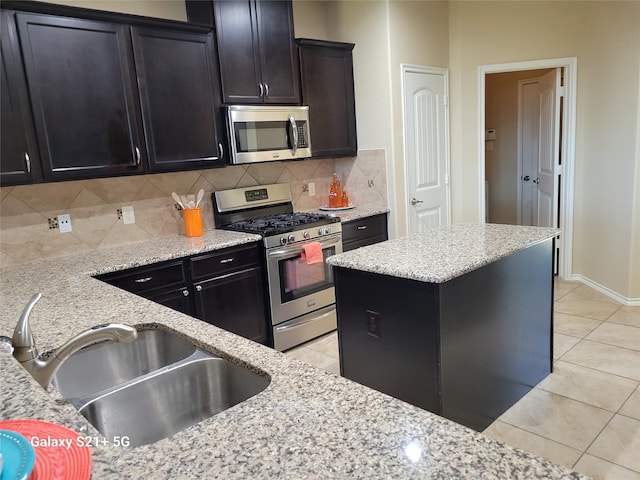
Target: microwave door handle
(294,130)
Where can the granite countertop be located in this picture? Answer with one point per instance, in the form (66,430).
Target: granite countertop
(355,213)
(306,424)
(442,253)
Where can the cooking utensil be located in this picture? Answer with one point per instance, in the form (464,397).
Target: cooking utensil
(185,202)
(199,198)
(177,199)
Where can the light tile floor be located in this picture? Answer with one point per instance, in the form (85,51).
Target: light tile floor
(586,414)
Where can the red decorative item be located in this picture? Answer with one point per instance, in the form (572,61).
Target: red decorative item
(73,460)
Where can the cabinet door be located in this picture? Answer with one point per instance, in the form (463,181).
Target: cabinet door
(178,78)
(234,302)
(278,53)
(19,159)
(177,299)
(326,72)
(238,49)
(80,77)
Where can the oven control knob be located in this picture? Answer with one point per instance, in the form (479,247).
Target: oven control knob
(321,231)
(306,235)
(327,230)
(283,240)
(291,238)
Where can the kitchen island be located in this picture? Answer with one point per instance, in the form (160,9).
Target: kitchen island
(306,424)
(457,320)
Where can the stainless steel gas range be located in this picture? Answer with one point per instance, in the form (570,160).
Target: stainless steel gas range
(301,291)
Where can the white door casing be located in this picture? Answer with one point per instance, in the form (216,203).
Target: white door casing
(426,148)
(569,89)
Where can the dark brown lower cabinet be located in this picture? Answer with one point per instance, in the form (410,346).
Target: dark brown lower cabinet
(364,231)
(466,349)
(224,288)
(233,302)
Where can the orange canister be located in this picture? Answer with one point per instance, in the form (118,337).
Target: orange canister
(193,222)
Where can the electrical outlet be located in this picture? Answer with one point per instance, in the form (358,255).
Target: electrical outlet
(128,216)
(312,189)
(370,183)
(53,223)
(64,223)
(305,187)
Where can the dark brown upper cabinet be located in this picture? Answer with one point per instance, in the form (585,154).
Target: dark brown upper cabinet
(82,85)
(19,157)
(326,73)
(179,88)
(256,47)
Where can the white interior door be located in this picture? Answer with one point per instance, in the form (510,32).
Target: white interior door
(539,149)
(426,136)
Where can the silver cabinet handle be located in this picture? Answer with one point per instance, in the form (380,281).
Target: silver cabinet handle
(220,150)
(266,89)
(227,260)
(142,280)
(261,90)
(362,227)
(198,288)
(185,292)
(137,156)
(294,129)
(415,202)
(27,160)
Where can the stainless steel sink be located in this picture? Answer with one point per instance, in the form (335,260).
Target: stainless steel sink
(160,405)
(106,364)
(153,387)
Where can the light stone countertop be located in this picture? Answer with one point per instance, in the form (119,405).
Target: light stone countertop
(356,213)
(442,253)
(307,424)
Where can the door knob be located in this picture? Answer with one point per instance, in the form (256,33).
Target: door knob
(415,202)
(526,178)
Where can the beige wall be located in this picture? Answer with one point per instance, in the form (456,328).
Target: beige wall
(386,35)
(605,38)
(168,9)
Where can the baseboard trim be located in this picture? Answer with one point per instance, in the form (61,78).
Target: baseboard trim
(630,302)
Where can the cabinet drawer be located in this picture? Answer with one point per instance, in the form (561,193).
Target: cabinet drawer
(223,261)
(369,227)
(144,279)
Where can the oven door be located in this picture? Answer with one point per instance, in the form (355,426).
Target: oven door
(296,287)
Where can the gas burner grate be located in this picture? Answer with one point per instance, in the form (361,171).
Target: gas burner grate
(280,223)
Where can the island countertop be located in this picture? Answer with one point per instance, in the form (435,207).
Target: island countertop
(442,253)
(307,423)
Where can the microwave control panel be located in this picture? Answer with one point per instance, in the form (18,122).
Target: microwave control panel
(302,136)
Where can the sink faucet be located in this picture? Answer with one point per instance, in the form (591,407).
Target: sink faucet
(44,367)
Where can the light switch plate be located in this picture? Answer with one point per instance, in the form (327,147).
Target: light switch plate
(128,216)
(312,189)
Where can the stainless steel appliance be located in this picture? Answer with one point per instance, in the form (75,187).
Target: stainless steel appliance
(265,133)
(301,294)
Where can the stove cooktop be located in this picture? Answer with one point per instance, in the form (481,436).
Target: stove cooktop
(281,223)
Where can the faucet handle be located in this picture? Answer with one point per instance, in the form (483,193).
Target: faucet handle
(23,342)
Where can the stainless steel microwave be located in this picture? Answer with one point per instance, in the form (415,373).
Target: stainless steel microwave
(265,133)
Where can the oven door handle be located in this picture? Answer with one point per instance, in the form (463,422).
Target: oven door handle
(293,251)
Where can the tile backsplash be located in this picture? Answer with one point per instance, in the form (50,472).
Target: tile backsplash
(25,235)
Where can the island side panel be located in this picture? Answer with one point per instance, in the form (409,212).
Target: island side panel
(496,334)
(388,335)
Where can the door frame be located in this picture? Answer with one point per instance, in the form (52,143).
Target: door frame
(568,146)
(408,68)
